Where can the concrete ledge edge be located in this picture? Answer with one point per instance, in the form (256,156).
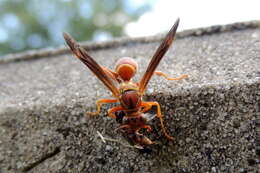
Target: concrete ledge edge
(89,45)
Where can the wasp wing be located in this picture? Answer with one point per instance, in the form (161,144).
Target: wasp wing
(161,50)
(82,54)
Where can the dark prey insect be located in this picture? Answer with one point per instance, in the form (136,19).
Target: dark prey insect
(129,94)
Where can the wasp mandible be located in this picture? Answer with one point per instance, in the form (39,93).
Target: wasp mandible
(129,94)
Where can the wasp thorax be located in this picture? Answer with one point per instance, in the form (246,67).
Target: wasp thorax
(130,99)
(126,68)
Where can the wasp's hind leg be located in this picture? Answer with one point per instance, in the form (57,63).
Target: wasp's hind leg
(99,104)
(159,73)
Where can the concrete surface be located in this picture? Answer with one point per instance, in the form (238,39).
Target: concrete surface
(211,115)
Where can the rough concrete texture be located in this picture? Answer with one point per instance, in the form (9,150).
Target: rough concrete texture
(211,115)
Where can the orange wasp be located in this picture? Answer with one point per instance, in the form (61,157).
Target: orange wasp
(129,94)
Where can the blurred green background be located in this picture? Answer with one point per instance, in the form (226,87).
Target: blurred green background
(30,24)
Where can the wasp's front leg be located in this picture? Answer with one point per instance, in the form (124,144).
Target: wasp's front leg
(159,73)
(99,104)
(145,107)
(111,111)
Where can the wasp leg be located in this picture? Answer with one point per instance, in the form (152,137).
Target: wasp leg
(146,107)
(99,104)
(113,75)
(159,115)
(111,111)
(159,73)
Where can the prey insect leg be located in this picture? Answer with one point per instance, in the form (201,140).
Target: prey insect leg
(126,126)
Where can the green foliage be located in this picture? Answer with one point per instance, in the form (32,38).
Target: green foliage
(29,24)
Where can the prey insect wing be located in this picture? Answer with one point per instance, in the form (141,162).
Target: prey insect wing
(91,64)
(161,50)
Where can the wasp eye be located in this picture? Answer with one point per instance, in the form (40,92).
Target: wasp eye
(126,68)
